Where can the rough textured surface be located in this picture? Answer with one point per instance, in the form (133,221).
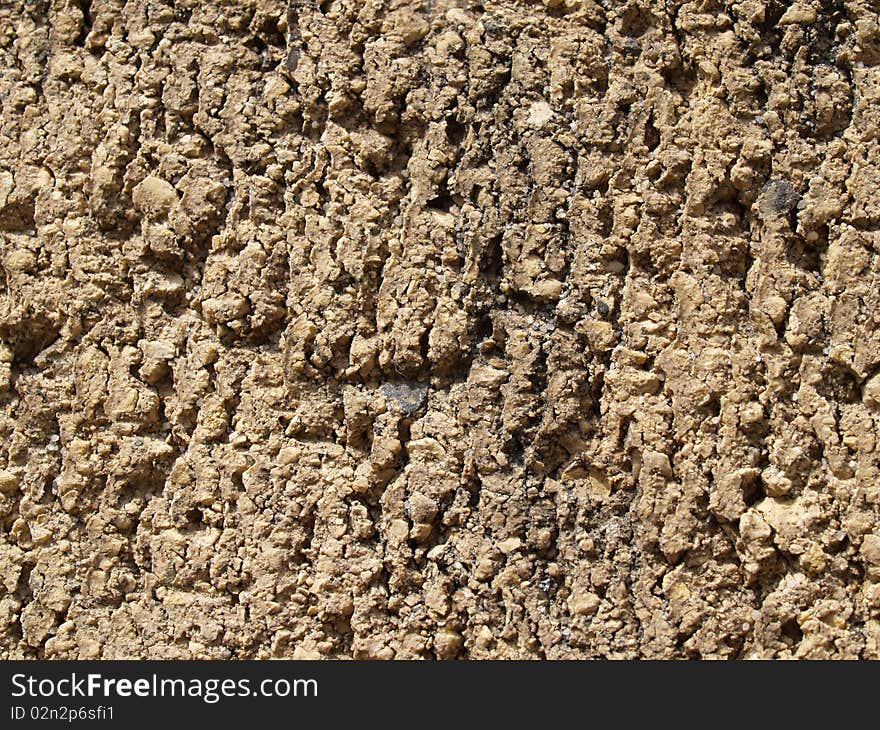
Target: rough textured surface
(405,329)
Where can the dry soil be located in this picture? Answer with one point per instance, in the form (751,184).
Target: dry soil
(399,328)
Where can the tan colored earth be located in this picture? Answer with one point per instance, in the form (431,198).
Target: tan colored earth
(435,329)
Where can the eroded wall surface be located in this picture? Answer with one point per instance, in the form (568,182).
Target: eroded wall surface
(397,329)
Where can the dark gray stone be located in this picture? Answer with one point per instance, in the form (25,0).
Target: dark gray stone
(780,196)
(408,396)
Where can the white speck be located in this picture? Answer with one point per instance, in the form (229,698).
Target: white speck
(539,114)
